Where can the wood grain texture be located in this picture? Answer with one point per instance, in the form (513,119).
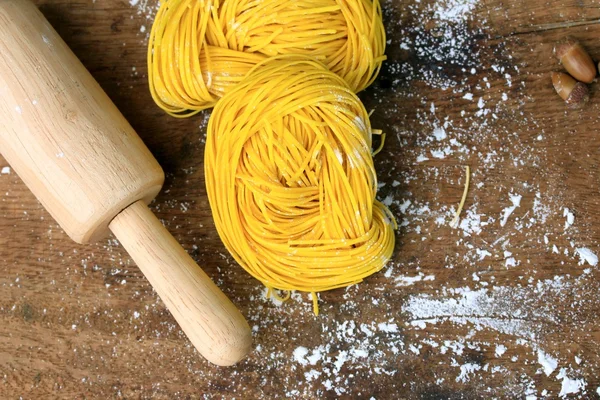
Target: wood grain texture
(82,322)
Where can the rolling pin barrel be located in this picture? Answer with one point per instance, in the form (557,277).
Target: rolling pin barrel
(61,132)
(72,147)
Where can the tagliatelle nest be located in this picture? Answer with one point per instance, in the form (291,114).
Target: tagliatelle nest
(290,178)
(200,49)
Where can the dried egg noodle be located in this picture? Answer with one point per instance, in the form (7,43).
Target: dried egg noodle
(200,49)
(290,178)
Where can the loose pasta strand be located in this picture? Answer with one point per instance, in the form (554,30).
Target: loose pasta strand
(200,49)
(291,181)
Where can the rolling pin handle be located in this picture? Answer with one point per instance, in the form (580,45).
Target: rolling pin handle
(210,320)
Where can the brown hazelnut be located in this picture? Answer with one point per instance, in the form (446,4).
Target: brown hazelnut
(576,60)
(574,93)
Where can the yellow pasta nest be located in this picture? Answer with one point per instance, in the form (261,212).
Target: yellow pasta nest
(290,178)
(200,49)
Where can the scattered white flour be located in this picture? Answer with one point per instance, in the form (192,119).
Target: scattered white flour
(300,354)
(547,362)
(472,223)
(145,8)
(387,201)
(482,254)
(404,206)
(386,327)
(466,370)
(271,298)
(414,349)
(454,10)
(569,386)
(569,216)
(439,133)
(490,308)
(411,280)
(500,350)
(316,356)
(438,154)
(586,255)
(515,199)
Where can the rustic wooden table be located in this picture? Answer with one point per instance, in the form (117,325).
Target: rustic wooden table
(504,306)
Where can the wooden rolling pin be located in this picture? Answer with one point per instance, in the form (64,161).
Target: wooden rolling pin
(68,142)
